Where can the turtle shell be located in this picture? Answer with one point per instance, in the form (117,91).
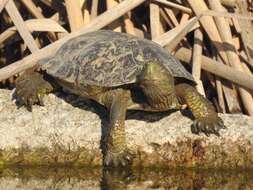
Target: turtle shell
(107,58)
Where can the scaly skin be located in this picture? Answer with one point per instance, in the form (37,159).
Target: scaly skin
(117,153)
(206,118)
(162,94)
(158,87)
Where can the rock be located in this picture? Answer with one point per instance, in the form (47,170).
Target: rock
(67,131)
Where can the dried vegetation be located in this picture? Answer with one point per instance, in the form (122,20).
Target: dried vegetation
(213,37)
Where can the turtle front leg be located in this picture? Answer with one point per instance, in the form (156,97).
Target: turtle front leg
(206,118)
(31,88)
(117,154)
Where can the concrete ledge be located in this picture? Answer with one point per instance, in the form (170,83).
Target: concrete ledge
(69,134)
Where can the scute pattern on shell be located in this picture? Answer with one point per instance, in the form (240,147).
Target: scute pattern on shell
(107,58)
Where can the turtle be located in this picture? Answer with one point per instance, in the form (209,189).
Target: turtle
(121,72)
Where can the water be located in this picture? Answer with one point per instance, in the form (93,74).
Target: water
(89,179)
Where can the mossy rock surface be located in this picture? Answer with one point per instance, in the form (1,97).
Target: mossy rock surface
(68,130)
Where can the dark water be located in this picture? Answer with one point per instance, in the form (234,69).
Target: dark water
(86,179)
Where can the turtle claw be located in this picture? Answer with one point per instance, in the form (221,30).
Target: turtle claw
(208,125)
(121,159)
(40,99)
(29,104)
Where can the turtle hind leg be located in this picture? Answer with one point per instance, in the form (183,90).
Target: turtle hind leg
(206,118)
(31,88)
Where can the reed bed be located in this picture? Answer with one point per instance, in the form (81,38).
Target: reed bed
(212,38)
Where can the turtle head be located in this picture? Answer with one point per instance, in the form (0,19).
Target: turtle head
(155,72)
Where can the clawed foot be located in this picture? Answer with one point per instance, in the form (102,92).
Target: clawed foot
(208,125)
(30,89)
(119,159)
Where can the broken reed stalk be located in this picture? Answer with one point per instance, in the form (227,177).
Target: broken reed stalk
(32,8)
(86,13)
(246,29)
(165,17)
(129,25)
(196,60)
(6,35)
(47,2)
(115,25)
(41,25)
(236,25)
(229,3)
(154,20)
(174,36)
(175,5)
(209,26)
(96,24)
(37,14)
(218,69)
(21,27)
(171,16)
(75,16)
(171,19)
(233,58)
(178,33)
(103,20)
(94,9)
(127,22)
(81,3)
(220,94)
(230,93)
(185,17)
(236,42)
(3,4)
